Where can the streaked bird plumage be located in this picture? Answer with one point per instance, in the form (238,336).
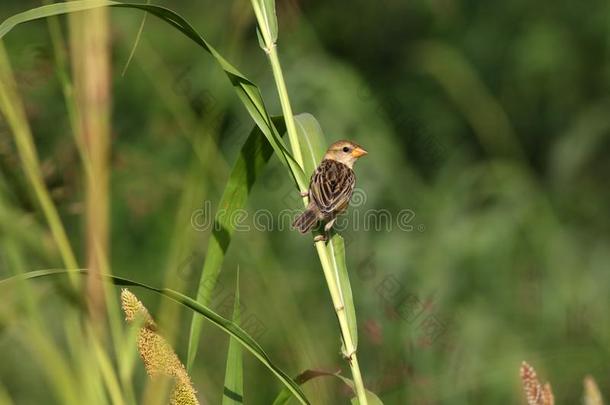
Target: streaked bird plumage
(331,186)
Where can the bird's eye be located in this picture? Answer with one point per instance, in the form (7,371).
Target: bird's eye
(345,149)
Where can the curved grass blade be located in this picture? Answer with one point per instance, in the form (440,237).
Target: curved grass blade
(248,93)
(135,43)
(233,393)
(371,398)
(224,324)
(253,157)
(284,396)
(246,90)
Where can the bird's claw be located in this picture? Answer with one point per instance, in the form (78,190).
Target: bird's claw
(348,356)
(304,193)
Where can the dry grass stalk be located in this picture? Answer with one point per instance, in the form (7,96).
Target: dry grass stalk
(158,356)
(592,396)
(535,392)
(90,51)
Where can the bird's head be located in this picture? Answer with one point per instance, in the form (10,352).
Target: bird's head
(346,152)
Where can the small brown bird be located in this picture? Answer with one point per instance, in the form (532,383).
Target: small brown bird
(330,187)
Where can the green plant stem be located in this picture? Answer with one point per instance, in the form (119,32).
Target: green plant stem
(348,341)
(278,76)
(14,113)
(286,108)
(330,272)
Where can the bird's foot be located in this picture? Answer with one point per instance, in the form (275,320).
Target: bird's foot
(350,355)
(304,193)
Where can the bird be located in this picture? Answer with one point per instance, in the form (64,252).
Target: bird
(330,187)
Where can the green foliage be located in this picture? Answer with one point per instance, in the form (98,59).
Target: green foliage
(252,159)
(233,392)
(285,396)
(227,326)
(486,123)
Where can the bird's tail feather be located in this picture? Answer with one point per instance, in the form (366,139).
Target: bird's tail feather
(306,221)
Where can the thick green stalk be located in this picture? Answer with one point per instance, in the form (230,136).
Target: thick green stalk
(330,272)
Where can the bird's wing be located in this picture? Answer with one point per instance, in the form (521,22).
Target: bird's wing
(331,186)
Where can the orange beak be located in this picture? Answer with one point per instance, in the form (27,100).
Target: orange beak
(358,152)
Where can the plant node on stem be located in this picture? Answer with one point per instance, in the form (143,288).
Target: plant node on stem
(270,49)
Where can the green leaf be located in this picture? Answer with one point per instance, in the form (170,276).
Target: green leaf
(227,326)
(371,398)
(252,158)
(250,96)
(270,17)
(246,90)
(135,43)
(233,392)
(261,40)
(284,396)
(336,250)
(312,140)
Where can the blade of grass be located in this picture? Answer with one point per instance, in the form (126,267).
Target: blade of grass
(54,364)
(246,90)
(233,392)
(207,162)
(135,43)
(284,396)
(227,326)
(13,110)
(329,266)
(53,361)
(89,44)
(253,156)
(270,18)
(371,398)
(326,259)
(312,140)
(108,373)
(267,25)
(248,93)
(75,114)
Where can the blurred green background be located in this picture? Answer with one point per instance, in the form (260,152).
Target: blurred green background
(488,122)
